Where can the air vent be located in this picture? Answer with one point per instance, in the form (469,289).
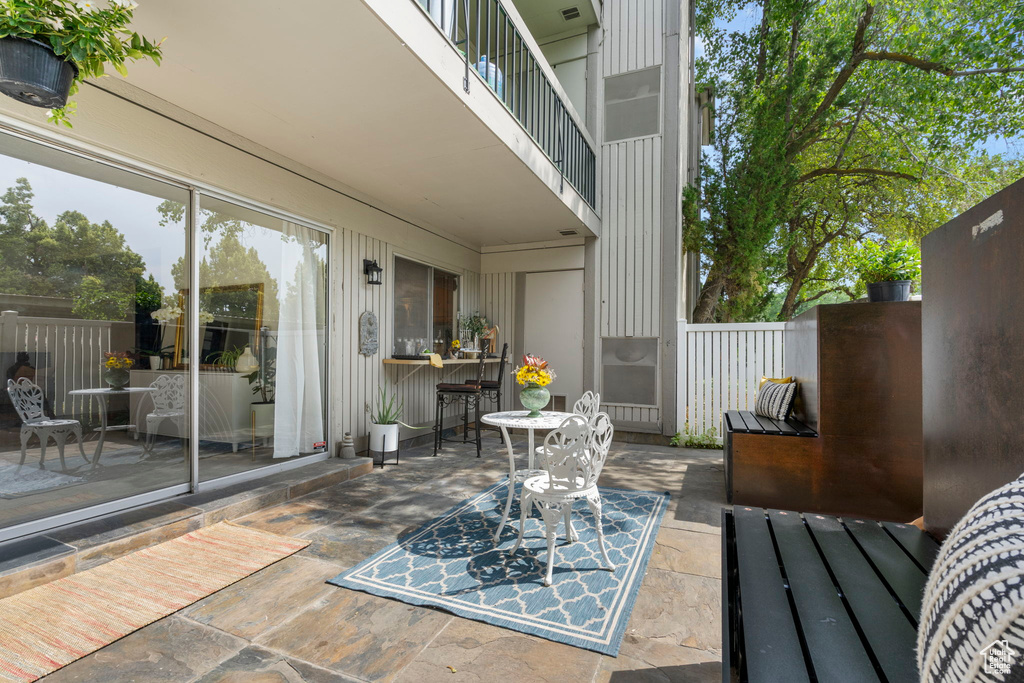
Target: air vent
(567,233)
(570,13)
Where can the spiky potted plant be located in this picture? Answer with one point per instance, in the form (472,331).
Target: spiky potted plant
(48,47)
(385,421)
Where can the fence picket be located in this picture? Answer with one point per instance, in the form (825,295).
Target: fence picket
(723,365)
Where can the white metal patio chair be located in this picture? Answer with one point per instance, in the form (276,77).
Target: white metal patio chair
(573,456)
(588,405)
(168,404)
(27,398)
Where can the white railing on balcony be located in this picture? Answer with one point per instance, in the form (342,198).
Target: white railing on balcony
(720,367)
(66,354)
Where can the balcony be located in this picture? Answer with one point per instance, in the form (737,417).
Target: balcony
(372,96)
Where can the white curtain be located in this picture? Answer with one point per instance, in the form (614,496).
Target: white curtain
(298,417)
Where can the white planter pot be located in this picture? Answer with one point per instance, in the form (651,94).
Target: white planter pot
(383,438)
(263,417)
(155,362)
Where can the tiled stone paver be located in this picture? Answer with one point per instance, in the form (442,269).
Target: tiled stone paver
(285,624)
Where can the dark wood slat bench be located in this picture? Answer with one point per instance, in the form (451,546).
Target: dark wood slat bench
(815,597)
(746,422)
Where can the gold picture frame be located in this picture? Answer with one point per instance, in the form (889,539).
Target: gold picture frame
(180,342)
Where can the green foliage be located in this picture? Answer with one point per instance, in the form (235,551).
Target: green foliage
(88,263)
(897,260)
(387,412)
(228,357)
(838,122)
(475,324)
(81,32)
(690,438)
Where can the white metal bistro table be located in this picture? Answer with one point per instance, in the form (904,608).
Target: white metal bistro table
(517,419)
(103,394)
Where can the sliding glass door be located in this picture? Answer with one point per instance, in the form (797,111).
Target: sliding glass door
(262,339)
(88,262)
(108,320)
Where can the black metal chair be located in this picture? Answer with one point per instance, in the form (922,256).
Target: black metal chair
(491,388)
(467,394)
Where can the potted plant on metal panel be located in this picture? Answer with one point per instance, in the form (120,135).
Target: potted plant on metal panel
(889,269)
(48,47)
(385,421)
(475,325)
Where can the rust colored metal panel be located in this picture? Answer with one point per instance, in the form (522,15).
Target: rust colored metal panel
(859,365)
(973,335)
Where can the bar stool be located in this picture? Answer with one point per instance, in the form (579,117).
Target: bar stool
(491,388)
(469,395)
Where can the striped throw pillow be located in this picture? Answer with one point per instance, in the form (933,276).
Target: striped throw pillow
(972,616)
(775,400)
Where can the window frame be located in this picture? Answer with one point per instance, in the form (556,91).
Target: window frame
(431,267)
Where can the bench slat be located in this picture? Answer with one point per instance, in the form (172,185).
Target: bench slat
(918,544)
(784,428)
(836,650)
(771,645)
(890,635)
(753,426)
(733,421)
(800,427)
(901,573)
(767,424)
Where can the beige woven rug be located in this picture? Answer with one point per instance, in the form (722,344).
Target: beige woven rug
(50,626)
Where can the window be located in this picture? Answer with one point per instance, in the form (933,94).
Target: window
(629,370)
(426,308)
(632,105)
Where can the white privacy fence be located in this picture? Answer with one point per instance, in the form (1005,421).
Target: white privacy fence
(66,354)
(720,367)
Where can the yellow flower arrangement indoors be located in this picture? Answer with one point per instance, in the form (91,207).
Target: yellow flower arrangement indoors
(534,375)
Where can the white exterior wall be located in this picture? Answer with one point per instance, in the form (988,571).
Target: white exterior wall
(159,141)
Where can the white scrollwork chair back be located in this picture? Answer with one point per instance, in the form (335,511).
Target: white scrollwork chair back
(588,405)
(27,397)
(565,456)
(169,393)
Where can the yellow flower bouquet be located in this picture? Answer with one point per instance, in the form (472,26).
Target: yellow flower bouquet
(534,375)
(116,365)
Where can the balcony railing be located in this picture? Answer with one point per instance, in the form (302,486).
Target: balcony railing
(492,46)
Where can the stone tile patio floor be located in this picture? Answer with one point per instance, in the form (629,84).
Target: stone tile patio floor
(285,624)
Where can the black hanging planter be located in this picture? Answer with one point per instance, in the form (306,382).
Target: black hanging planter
(896,290)
(31,73)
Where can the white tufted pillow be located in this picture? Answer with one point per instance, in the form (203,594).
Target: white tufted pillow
(975,594)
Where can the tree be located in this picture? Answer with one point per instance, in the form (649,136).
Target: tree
(89,263)
(829,111)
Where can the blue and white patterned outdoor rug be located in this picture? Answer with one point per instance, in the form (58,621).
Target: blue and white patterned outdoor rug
(453,563)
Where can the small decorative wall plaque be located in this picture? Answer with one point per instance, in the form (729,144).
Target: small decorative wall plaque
(368,333)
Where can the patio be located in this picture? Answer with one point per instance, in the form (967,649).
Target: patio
(285,623)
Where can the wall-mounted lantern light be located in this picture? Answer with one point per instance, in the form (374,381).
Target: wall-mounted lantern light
(372,272)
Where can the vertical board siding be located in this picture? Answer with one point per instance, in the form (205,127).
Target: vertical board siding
(629,253)
(633,35)
(357,378)
(724,364)
(497,302)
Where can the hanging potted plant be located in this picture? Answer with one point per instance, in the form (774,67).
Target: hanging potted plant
(889,269)
(48,47)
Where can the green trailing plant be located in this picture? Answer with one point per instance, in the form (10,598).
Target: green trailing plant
(897,260)
(84,33)
(228,358)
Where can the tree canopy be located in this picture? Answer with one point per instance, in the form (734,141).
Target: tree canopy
(88,263)
(839,121)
